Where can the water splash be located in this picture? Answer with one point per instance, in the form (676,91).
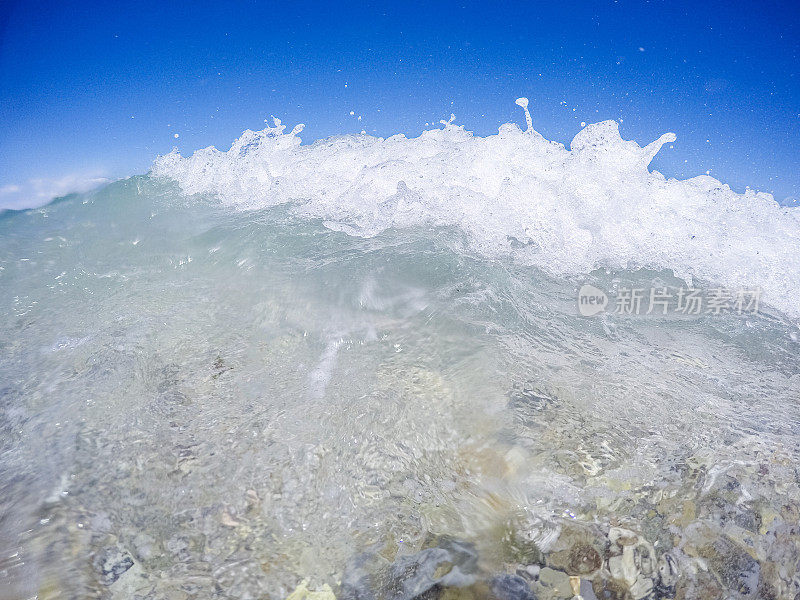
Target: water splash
(515,193)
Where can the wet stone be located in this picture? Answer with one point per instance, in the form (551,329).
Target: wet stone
(519,548)
(583,559)
(737,570)
(478,591)
(357,579)
(633,562)
(723,508)
(510,587)
(611,589)
(412,576)
(528,572)
(529,397)
(416,576)
(702,586)
(554,584)
(578,551)
(668,575)
(111,563)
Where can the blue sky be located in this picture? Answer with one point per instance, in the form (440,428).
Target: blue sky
(97,90)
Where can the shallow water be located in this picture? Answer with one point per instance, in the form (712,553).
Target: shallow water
(240,399)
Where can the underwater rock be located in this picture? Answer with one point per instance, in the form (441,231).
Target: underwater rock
(583,559)
(302,592)
(357,578)
(702,586)
(111,563)
(519,542)
(611,589)
(633,562)
(528,572)
(510,587)
(553,584)
(578,551)
(142,545)
(530,397)
(477,591)
(723,505)
(451,564)
(411,576)
(727,558)
(668,575)
(735,567)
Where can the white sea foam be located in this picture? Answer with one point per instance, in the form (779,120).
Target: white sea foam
(516,193)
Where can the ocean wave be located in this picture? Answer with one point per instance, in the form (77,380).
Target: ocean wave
(566,211)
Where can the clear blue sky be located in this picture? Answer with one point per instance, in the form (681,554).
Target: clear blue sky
(98,89)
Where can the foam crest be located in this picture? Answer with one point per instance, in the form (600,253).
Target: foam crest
(566,211)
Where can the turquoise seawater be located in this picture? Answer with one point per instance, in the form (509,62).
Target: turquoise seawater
(238,399)
(363,363)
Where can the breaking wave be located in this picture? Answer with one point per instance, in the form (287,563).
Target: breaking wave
(566,211)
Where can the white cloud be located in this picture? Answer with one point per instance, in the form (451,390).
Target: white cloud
(38,191)
(8,190)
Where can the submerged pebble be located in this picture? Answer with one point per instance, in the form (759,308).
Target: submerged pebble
(451,564)
(510,587)
(111,564)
